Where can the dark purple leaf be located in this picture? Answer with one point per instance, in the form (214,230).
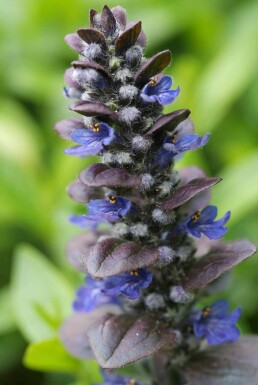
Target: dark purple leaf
(113,256)
(189,173)
(90,64)
(73,332)
(198,202)
(93,13)
(92,109)
(108,21)
(90,35)
(102,175)
(73,335)
(78,247)
(82,193)
(204,245)
(74,41)
(220,259)
(220,284)
(119,340)
(128,38)
(184,193)
(230,364)
(186,127)
(120,15)
(152,66)
(168,122)
(142,39)
(65,127)
(160,368)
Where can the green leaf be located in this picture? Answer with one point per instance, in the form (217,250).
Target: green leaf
(12,346)
(90,372)
(7,322)
(21,138)
(239,189)
(50,355)
(41,297)
(232,70)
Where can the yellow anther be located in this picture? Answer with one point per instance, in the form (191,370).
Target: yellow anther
(206,311)
(95,127)
(134,272)
(131,382)
(153,82)
(196,216)
(112,199)
(173,138)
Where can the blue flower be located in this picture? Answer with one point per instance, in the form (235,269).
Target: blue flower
(103,211)
(106,290)
(91,295)
(159,91)
(203,222)
(110,209)
(86,221)
(117,379)
(92,140)
(128,283)
(216,324)
(177,144)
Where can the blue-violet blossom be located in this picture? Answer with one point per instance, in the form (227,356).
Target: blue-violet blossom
(110,209)
(91,295)
(103,211)
(177,144)
(216,324)
(203,222)
(103,291)
(92,140)
(128,283)
(159,91)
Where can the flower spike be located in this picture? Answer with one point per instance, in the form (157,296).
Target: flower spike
(154,248)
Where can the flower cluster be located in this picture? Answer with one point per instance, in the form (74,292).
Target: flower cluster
(154,246)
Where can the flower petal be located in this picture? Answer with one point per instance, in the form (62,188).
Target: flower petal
(168,96)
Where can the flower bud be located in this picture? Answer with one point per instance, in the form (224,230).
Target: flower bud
(166,256)
(140,143)
(147,181)
(120,229)
(154,301)
(134,56)
(123,76)
(179,295)
(89,76)
(114,63)
(139,230)
(123,157)
(93,51)
(128,93)
(129,115)
(160,216)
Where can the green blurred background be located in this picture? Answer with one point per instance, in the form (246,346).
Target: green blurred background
(214,44)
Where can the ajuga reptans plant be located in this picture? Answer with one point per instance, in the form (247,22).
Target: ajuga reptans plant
(152,245)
